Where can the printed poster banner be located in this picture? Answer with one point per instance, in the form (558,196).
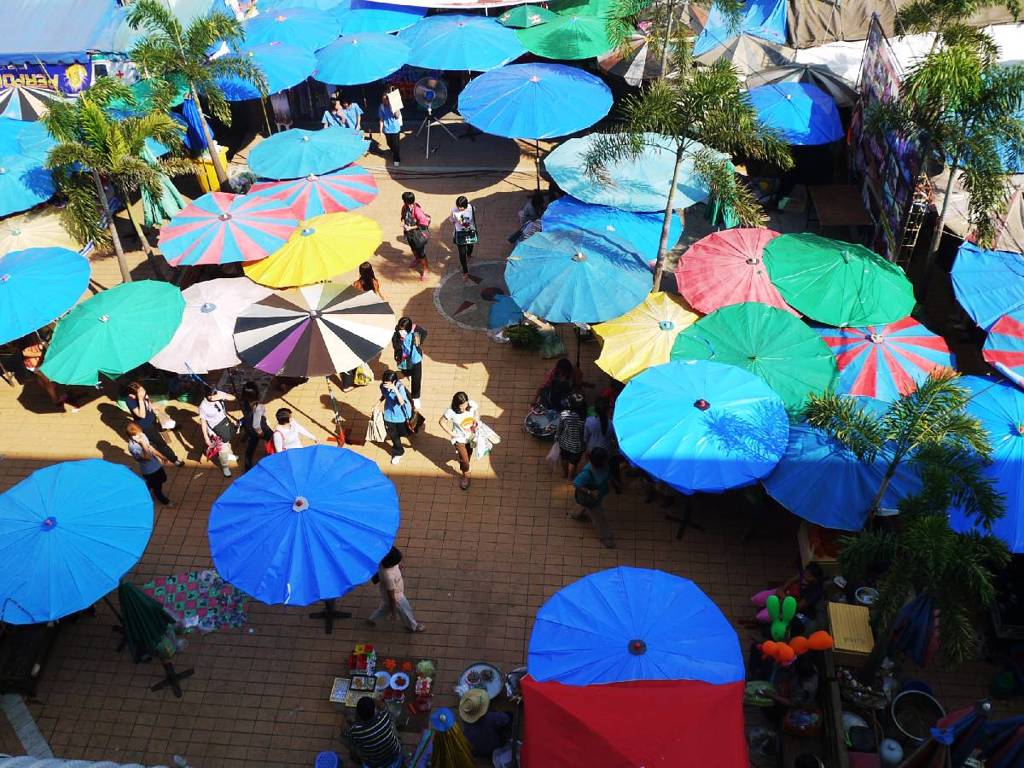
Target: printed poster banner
(68,79)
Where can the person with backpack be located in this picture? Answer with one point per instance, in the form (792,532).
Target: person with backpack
(416,225)
(288,434)
(590,489)
(397,411)
(150,462)
(407,342)
(466,233)
(217,427)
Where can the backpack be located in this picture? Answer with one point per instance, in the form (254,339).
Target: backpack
(269,445)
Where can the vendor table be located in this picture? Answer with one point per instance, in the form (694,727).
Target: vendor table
(837,205)
(200,600)
(409,702)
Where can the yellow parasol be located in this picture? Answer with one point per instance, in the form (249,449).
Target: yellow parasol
(321,248)
(643,336)
(34,230)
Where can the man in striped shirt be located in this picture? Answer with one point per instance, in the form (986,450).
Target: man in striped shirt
(373,737)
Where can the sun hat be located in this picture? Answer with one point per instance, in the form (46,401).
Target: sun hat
(473,704)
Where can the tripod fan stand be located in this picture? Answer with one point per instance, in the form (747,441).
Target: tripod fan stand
(431,93)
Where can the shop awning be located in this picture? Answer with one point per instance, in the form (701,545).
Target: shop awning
(56,31)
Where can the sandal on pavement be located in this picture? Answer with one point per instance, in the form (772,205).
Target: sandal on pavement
(419,628)
(464,483)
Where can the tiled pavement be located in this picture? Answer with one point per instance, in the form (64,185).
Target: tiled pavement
(478,563)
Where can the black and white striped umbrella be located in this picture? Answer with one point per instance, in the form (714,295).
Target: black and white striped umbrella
(316,330)
(21,102)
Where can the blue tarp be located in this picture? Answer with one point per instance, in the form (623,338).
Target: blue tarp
(56,31)
(765,19)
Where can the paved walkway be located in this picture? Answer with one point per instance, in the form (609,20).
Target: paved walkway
(478,563)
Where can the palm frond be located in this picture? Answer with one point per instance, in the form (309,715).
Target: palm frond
(848,422)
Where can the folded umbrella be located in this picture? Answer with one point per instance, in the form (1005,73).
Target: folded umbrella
(636,184)
(310,196)
(726,268)
(113,332)
(576,277)
(643,337)
(38,285)
(886,361)
(355,16)
(801,112)
(578,31)
(205,341)
(296,152)
(643,230)
(282,66)
(822,481)
(836,282)
(987,283)
(312,255)
(459,42)
(527,101)
(24,183)
(68,532)
(222,228)
(954,738)
(145,621)
(523,16)
(40,229)
(306,28)
(360,57)
(304,525)
(1004,345)
(701,427)
(318,330)
(766,341)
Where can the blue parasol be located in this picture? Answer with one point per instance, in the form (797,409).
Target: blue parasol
(68,532)
(303,525)
(282,65)
(316,5)
(701,426)
(637,184)
(576,277)
(297,152)
(1000,408)
(24,182)
(504,312)
(356,16)
(528,101)
(801,112)
(37,286)
(988,284)
(822,481)
(300,27)
(456,41)
(30,139)
(360,58)
(643,230)
(626,624)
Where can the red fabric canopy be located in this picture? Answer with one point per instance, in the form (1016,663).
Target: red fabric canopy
(639,724)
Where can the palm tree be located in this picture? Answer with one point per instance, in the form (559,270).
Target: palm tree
(921,555)
(961,107)
(169,51)
(928,428)
(947,18)
(93,147)
(703,113)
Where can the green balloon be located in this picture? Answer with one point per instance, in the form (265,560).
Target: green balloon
(772,606)
(788,609)
(778,630)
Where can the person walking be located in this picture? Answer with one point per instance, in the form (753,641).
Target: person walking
(590,488)
(397,410)
(391,127)
(150,463)
(460,422)
(217,428)
(288,434)
(416,225)
(407,342)
(392,593)
(569,434)
(598,432)
(141,409)
(466,234)
(254,421)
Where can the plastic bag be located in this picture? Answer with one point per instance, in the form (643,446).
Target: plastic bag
(551,345)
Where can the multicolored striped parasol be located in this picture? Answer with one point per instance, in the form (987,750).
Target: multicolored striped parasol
(886,361)
(1004,346)
(221,228)
(313,195)
(20,102)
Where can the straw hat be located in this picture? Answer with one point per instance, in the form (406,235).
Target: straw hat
(473,704)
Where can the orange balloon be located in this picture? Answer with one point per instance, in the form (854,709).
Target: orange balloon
(784,654)
(768,648)
(819,641)
(799,644)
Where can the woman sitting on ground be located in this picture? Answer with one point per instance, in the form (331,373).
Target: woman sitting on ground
(554,393)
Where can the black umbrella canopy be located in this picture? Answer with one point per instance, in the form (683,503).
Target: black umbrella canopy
(842,92)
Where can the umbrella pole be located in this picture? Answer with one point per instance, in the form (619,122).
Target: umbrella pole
(577,345)
(118,628)
(329,614)
(536,161)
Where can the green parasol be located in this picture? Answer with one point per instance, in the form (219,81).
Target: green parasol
(157,210)
(523,16)
(838,283)
(144,621)
(143,92)
(113,332)
(766,341)
(578,31)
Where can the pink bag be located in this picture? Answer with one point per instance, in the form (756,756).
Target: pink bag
(554,454)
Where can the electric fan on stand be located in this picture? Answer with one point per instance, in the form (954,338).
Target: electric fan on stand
(431,93)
